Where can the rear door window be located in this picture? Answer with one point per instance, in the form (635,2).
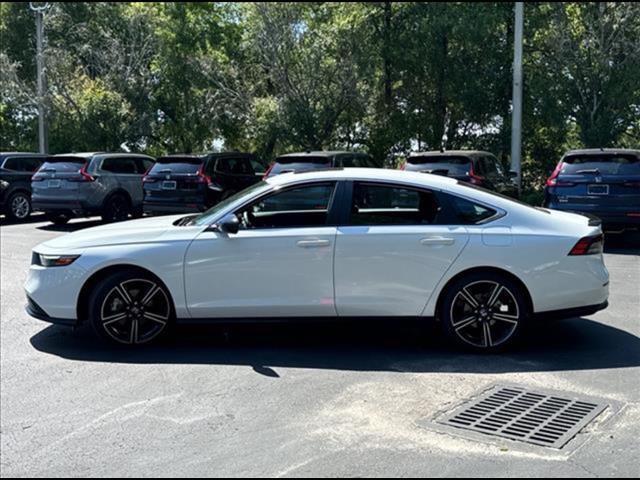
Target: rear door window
(376,204)
(64,164)
(601,164)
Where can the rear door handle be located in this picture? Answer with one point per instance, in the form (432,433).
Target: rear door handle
(313,243)
(432,241)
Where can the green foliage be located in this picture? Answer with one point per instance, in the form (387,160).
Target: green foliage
(383,77)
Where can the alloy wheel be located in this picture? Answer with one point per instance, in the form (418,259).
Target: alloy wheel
(20,207)
(484,314)
(135,311)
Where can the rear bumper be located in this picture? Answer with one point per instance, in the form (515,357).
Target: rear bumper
(618,216)
(74,206)
(572,312)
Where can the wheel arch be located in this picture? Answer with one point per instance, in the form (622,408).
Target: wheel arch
(494,270)
(82,304)
(117,191)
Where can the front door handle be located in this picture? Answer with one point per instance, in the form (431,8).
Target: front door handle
(313,243)
(432,241)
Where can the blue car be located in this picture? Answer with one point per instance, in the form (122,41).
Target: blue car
(600,182)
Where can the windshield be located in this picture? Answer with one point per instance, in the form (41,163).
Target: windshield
(206,218)
(601,164)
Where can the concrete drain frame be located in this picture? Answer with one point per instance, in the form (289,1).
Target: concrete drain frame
(530,416)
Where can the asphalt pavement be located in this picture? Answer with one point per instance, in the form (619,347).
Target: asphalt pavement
(302,400)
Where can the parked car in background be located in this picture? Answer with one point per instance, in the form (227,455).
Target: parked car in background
(192,183)
(357,243)
(479,168)
(600,182)
(84,184)
(16,169)
(308,161)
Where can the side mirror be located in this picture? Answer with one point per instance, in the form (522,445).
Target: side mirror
(229,224)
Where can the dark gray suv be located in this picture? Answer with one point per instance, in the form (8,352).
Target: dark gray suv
(84,184)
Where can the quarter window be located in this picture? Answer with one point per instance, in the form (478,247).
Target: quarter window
(468,212)
(393,205)
(305,206)
(120,165)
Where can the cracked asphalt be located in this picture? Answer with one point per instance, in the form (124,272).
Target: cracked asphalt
(302,400)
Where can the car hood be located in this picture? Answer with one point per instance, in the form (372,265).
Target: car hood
(143,230)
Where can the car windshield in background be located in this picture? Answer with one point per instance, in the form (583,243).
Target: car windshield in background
(601,164)
(205,218)
(63,164)
(184,166)
(446,164)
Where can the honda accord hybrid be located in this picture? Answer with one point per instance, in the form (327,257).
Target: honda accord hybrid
(339,243)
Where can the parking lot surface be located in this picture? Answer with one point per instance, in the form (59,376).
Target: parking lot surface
(312,400)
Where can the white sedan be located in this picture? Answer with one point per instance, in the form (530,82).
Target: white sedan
(337,243)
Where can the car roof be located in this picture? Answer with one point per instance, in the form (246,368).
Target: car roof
(90,155)
(450,153)
(4,155)
(596,151)
(322,153)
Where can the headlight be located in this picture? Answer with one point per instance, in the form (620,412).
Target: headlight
(53,260)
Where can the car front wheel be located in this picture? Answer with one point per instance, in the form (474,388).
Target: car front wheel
(130,308)
(484,312)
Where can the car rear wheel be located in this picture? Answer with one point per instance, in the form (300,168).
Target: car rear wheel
(484,312)
(130,308)
(19,206)
(117,208)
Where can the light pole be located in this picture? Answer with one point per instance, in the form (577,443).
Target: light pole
(39,10)
(516,118)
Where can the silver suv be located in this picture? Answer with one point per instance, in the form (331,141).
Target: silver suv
(84,184)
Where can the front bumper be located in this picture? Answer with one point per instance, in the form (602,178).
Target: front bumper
(34,310)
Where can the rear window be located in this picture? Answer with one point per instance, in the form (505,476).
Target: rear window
(64,164)
(601,164)
(173,165)
(446,165)
(303,159)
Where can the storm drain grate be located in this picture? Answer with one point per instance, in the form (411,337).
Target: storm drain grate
(519,414)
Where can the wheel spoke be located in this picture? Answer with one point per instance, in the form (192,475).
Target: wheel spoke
(150,294)
(487,335)
(464,323)
(123,293)
(155,318)
(468,297)
(505,318)
(134,331)
(494,295)
(114,318)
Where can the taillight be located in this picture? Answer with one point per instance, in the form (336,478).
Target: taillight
(37,178)
(266,174)
(83,176)
(592,245)
(553,181)
(203,177)
(473,177)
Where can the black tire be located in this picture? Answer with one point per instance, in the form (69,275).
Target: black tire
(497,319)
(58,218)
(131,308)
(116,208)
(19,206)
